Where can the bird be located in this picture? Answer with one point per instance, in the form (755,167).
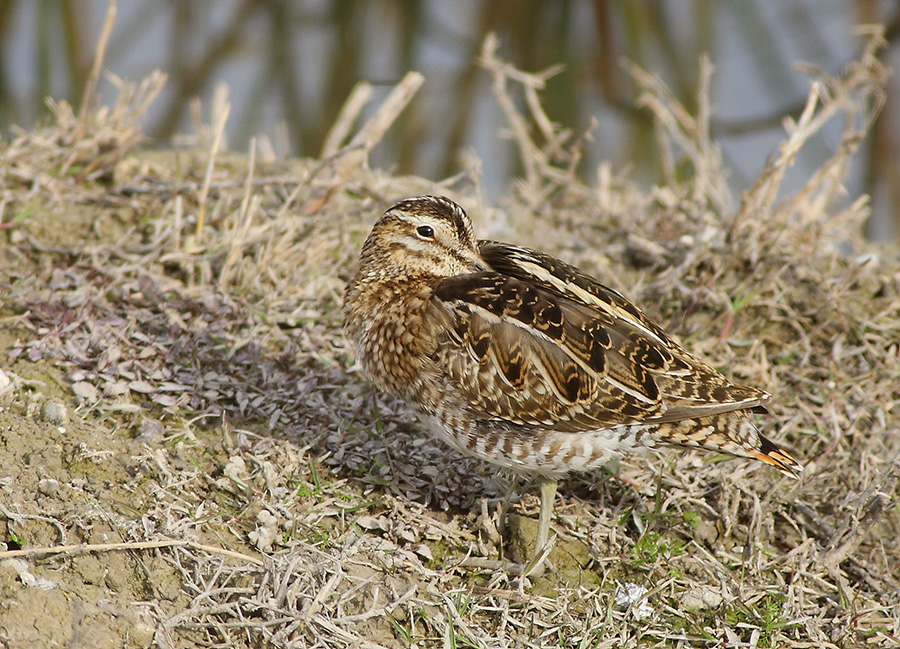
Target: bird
(522,360)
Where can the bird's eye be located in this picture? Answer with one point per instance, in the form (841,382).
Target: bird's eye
(425,231)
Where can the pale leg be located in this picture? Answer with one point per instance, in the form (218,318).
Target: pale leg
(548,495)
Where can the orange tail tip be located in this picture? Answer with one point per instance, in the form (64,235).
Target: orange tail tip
(777,457)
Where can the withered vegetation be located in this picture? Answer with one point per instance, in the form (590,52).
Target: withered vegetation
(191,459)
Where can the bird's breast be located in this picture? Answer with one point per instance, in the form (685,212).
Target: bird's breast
(389,328)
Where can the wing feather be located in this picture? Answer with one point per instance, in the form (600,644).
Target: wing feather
(535,341)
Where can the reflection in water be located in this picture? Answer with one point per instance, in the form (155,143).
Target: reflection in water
(291,65)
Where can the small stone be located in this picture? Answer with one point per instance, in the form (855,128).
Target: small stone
(48,486)
(266,532)
(699,599)
(54,412)
(142,634)
(4,380)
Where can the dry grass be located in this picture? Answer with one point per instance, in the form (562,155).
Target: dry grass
(276,500)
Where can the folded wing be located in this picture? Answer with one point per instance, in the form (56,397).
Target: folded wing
(534,341)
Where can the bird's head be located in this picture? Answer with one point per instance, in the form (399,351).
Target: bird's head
(426,235)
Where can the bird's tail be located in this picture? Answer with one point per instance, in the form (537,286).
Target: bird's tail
(770,453)
(729,432)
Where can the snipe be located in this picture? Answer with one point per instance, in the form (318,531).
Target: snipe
(526,362)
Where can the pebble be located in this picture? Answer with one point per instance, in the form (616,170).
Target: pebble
(55,413)
(266,532)
(699,599)
(48,486)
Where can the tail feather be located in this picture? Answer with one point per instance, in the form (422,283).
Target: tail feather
(730,432)
(772,454)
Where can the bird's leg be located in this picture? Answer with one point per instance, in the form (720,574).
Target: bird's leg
(548,495)
(504,505)
(535,567)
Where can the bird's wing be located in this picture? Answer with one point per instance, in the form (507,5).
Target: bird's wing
(535,341)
